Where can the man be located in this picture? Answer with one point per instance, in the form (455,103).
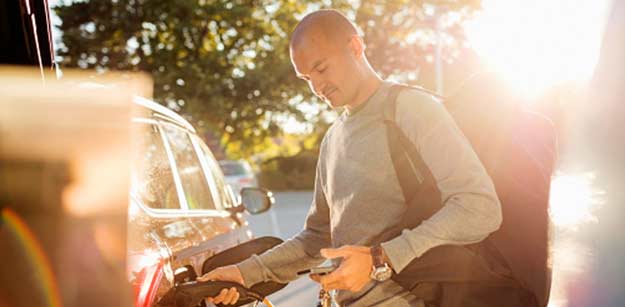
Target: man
(357,195)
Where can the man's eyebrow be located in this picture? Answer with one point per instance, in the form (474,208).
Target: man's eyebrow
(317,63)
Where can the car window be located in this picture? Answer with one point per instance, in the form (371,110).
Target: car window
(220,183)
(233,169)
(194,183)
(151,173)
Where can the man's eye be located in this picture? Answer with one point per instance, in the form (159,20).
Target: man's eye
(321,70)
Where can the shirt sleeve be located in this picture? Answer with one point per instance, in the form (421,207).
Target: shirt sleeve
(281,263)
(471,209)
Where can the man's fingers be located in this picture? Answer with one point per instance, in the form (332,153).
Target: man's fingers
(212,275)
(334,284)
(334,280)
(236,297)
(231,296)
(226,296)
(226,273)
(220,298)
(315,277)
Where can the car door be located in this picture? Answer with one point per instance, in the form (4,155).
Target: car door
(204,199)
(177,217)
(156,225)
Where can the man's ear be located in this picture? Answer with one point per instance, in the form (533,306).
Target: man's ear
(356,46)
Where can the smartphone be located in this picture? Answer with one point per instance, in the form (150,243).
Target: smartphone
(322,270)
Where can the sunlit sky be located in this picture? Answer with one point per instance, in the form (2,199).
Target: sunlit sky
(536,44)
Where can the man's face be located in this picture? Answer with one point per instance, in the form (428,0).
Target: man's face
(329,68)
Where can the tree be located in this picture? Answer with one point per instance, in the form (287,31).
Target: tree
(402,35)
(224,64)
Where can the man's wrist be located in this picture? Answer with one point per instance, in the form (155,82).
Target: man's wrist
(385,258)
(251,271)
(379,256)
(400,252)
(381,270)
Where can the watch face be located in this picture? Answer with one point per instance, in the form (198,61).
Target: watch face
(381,273)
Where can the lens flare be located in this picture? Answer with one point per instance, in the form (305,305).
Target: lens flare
(572,200)
(35,255)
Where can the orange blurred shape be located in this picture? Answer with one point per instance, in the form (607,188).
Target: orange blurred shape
(84,121)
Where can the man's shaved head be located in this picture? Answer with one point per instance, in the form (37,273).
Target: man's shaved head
(328,53)
(329,25)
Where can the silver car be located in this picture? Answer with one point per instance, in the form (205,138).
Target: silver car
(181,210)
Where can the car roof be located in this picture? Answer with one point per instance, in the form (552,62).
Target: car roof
(163,112)
(232,162)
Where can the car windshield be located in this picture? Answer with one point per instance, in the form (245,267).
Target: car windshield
(233,169)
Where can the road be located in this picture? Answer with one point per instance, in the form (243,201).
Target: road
(289,213)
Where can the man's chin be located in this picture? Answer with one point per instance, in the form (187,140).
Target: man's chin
(334,104)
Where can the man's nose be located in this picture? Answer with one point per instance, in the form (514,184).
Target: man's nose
(317,86)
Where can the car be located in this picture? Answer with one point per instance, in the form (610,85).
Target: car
(239,174)
(181,210)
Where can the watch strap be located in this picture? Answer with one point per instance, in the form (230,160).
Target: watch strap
(377,254)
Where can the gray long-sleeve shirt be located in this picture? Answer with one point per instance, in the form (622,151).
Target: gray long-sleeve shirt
(357,196)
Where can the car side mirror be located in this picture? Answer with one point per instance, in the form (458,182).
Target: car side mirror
(256,200)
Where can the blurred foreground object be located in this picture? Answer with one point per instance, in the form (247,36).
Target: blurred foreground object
(64,180)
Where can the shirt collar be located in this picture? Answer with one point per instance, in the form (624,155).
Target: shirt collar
(378,95)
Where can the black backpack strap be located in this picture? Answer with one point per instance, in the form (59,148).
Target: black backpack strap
(408,179)
(413,174)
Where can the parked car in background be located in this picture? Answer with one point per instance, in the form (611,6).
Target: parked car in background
(239,174)
(181,210)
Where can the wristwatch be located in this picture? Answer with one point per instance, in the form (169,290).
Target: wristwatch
(381,270)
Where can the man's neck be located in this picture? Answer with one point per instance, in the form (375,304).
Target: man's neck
(369,87)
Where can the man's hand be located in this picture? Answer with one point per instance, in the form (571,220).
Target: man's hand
(226,273)
(354,271)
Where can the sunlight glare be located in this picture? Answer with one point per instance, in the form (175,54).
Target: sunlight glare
(573,199)
(536,44)
(571,260)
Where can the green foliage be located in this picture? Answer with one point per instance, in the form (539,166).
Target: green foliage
(224,64)
(289,173)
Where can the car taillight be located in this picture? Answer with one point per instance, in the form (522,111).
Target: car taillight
(245,180)
(146,284)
